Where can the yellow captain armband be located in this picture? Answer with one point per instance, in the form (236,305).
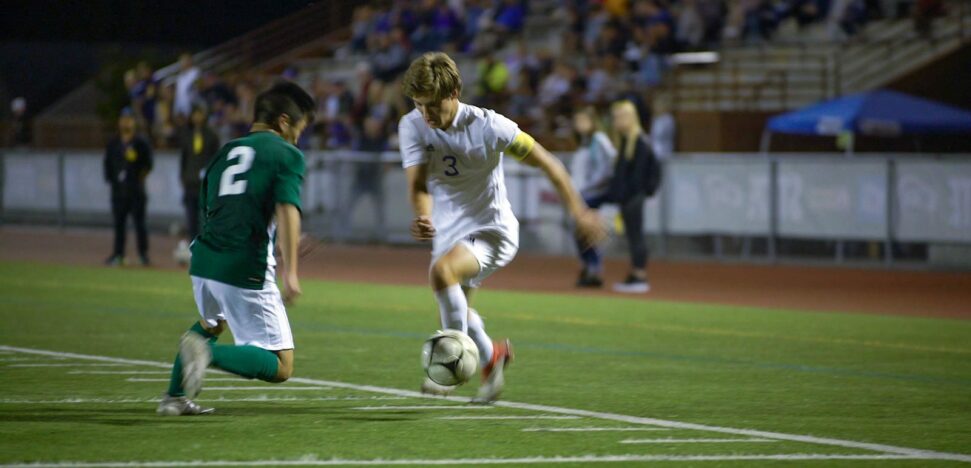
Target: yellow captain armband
(521,146)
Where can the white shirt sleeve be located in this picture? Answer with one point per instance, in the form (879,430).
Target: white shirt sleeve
(409,142)
(504,131)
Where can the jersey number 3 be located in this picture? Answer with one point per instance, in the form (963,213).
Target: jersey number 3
(451,170)
(228,185)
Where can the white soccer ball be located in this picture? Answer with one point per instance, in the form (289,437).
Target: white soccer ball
(449,357)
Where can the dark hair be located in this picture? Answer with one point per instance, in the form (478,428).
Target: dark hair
(283,98)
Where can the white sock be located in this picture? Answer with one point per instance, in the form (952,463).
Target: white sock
(478,334)
(453,308)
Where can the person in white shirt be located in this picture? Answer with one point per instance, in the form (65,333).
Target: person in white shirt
(452,153)
(591,168)
(663,128)
(185,91)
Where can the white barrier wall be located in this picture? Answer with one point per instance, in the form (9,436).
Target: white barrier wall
(30,184)
(815,196)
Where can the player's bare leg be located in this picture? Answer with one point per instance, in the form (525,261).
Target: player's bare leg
(446,276)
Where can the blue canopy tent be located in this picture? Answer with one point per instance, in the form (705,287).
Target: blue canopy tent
(880,113)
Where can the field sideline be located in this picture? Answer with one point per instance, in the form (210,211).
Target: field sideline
(598,380)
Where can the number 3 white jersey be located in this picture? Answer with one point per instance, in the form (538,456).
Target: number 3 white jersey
(465,177)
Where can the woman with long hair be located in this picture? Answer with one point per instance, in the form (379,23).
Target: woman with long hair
(591,170)
(637,176)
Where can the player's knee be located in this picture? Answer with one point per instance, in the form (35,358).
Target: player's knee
(442,272)
(283,373)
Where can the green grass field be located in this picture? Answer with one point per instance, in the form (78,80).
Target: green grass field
(596,379)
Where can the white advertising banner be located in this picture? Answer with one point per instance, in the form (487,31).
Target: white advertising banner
(728,196)
(832,199)
(933,201)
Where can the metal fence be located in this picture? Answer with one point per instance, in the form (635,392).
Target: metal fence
(351,196)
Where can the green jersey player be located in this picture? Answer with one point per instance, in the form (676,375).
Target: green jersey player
(250,197)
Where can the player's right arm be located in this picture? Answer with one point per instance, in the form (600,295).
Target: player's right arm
(415,162)
(421,202)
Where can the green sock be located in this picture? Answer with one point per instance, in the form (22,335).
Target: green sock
(246,361)
(175,381)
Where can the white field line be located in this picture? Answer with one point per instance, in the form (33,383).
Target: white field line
(70,365)
(423,407)
(910,452)
(593,429)
(31,360)
(509,417)
(208,379)
(71,401)
(669,440)
(141,372)
(277,388)
(313,461)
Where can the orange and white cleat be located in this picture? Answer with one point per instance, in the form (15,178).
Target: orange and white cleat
(493,379)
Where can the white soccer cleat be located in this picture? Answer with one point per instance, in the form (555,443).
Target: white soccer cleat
(493,379)
(196,356)
(429,387)
(632,285)
(180,406)
(182,255)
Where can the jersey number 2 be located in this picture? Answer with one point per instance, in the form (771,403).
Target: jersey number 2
(228,185)
(451,170)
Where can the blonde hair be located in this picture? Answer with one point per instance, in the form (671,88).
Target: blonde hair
(632,135)
(434,74)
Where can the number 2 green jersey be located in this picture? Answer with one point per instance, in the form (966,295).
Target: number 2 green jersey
(243,184)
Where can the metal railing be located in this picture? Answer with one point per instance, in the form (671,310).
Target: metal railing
(747,198)
(269,42)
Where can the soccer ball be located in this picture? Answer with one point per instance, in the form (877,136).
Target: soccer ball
(449,357)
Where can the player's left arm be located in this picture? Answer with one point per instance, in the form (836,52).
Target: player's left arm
(289,179)
(529,152)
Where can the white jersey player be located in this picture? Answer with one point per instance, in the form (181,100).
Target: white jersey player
(452,153)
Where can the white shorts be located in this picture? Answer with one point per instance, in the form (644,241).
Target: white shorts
(256,317)
(493,249)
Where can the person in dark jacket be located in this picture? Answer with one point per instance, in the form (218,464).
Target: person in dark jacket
(637,175)
(199,143)
(128,160)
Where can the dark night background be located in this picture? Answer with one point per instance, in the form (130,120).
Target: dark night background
(47,48)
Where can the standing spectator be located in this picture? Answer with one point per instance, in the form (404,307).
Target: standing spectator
(690,29)
(164,131)
(636,176)
(185,91)
(19,131)
(663,128)
(492,79)
(128,160)
(199,144)
(144,94)
(591,170)
(368,174)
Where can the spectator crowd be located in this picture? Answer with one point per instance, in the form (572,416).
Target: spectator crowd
(609,50)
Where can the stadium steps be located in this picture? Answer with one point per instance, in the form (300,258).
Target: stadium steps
(783,76)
